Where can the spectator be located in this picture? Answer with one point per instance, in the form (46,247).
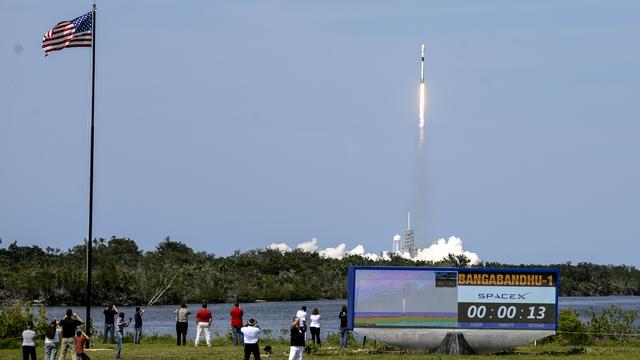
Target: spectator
(52,340)
(69,324)
(314,326)
(297,340)
(302,315)
(109,314)
(251,333)
(344,333)
(80,339)
(29,343)
(120,325)
(182,322)
(137,325)
(236,324)
(203,323)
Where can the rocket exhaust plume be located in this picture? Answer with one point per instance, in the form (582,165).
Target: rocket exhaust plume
(438,250)
(422,98)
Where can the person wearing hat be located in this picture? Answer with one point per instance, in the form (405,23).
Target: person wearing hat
(251,332)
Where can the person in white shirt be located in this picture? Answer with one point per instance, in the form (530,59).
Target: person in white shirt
(51,340)
(29,343)
(251,332)
(314,326)
(302,315)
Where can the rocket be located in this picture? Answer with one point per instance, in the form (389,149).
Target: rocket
(422,66)
(421,98)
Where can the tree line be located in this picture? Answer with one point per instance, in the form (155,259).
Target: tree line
(173,272)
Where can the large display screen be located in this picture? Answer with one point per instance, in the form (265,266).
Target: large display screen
(413,297)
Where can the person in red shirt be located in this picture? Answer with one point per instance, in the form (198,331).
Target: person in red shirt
(236,324)
(79,340)
(204,318)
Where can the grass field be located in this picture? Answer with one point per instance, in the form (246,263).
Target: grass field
(165,349)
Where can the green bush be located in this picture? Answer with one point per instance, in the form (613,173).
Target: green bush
(15,318)
(333,339)
(571,330)
(612,323)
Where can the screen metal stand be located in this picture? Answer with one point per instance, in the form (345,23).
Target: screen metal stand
(454,344)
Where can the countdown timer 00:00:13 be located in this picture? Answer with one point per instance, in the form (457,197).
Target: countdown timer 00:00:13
(506,313)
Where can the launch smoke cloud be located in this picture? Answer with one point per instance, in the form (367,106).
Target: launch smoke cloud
(437,251)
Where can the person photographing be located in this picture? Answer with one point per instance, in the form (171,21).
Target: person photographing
(29,343)
(251,333)
(69,323)
(80,340)
(52,340)
(109,322)
(297,339)
(120,325)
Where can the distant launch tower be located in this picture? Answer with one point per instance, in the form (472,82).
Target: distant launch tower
(408,243)
(405,243)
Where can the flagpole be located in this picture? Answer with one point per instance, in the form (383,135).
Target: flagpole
(90,237)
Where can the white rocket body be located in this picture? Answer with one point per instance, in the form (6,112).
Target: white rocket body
(422,66)
(422,97)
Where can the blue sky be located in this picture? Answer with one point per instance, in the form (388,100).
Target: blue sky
(234,125)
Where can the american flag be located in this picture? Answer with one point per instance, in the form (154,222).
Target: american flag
(74,33)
